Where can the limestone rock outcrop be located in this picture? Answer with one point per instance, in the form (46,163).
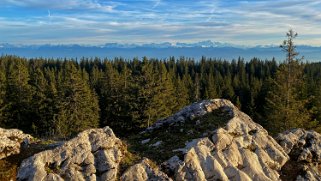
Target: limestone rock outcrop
(242,150)
(144,171)
(192,111)
(94,154)
(304,149)
(11,141)
(236,148)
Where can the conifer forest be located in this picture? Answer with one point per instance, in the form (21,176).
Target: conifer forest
(61,97)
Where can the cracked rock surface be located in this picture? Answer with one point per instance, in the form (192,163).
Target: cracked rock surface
(304,149)
(242,150)
(144,171)
(11,141)
(94,154)
(191,112)
(237,149)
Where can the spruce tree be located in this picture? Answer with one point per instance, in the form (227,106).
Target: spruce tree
(211,92)
(18,95)
(52,102)
(162,102)
(38,102)
(111,100)
(2,93)
(125,117)
(95,78)
(316,107)
(145,88)
(78,104)
(181,94)
(188,83)
(285,105)
(227,88)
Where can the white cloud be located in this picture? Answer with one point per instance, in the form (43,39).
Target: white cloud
(98,21)
(60,4)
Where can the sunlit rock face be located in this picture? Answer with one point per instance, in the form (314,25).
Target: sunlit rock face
(304,149)
(11,141)
(95,154)
(236,149)
(144,171)
(242,150)
(192,111)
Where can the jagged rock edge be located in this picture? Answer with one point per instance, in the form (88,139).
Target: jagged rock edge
(203,109)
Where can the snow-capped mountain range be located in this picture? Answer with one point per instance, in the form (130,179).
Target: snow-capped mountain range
(157,50)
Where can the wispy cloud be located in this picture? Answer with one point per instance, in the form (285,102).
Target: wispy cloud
(100,21)
(60,4)
(157,3)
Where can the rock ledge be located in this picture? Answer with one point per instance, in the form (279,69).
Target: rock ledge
(11,141)
(304,149)
(242,150)
(94,154)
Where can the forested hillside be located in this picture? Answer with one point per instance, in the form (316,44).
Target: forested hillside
(58,98)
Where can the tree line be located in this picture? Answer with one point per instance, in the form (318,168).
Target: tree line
(60,97)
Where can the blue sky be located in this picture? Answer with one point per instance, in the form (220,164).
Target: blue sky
(252,22)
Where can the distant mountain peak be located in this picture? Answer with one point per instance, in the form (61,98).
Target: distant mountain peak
(163,50)
(204,44)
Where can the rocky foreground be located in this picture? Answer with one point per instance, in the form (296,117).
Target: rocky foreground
(242,150)
(235,149)
(11,141)
(94,154)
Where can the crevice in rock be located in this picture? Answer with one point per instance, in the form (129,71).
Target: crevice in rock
(52,168)
(252,132)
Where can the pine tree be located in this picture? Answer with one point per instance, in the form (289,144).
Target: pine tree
(161,103)
(125,118)
(188,83)
(181,94)
(78,104)
(95,78)
(112,97)
(18,95)
(59,98)
(316,106)
(227,88)
(285,105)
(146,85)
(52,103)
(211,92)
(38,102)
(197,88)
(2,93)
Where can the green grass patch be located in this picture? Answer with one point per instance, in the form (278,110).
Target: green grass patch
(9,166)
(129,160)
(175,137)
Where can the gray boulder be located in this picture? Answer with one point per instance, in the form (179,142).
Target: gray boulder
(144,171)
(11,141)
(94,154)
(304,149)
